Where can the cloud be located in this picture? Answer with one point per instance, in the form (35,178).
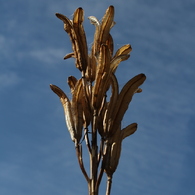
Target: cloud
(8,79)
(47,56)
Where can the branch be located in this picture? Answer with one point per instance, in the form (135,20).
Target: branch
(78,148)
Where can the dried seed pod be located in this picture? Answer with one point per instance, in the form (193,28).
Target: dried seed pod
(69,55)
(77,111)
(102,77)
(67,22)
(129,130)
(77,36)
(115,156)
(116,61)
(107,120)
(114,146)
(81,43)
(102,35)
(124,99)
(125,49)
(100,126)
(87,113)
(120,55)
(91,68)
(110,44)
(68,27)
(113,151)
(72,83)
(106,25)
(67,110)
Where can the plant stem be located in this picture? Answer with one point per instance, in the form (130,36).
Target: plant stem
(80,160)
(109,184)
(93,157)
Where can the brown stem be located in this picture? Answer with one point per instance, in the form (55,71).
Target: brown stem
(99,178)
(109,184)
(80,160)
(93,157)
(102,165)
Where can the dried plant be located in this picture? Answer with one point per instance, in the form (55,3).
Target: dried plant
(90,112)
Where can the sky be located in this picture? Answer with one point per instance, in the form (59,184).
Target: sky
(36,153)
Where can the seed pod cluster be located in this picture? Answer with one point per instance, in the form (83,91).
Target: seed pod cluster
(89,104)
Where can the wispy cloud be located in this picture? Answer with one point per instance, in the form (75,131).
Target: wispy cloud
(8,79)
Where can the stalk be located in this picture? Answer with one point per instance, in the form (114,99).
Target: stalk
(93,158)
(109,185)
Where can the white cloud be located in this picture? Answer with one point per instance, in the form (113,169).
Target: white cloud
(48,55)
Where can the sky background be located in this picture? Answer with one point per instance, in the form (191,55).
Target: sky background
(36,153)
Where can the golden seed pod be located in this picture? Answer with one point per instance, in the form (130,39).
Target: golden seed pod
(77,36)
(107,120)
(77,111)
(72,83)
(81,43)
(124,100)
(106,25)
(101,78)
(114,147)
(67,110)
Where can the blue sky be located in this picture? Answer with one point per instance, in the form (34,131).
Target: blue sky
(36,153)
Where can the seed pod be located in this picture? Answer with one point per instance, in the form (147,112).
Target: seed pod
(91,69)
(105,26)
(110,44)
(77,111)
(67,22)
(107,120)
(102,77)
(129,130)
(115,145)
(116,61)
(69,55)
(125,49)
(77,36)
(81,43)
(113,151)
(85,99)
(72,83)
(120,55)
(124,99)
(67,110)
